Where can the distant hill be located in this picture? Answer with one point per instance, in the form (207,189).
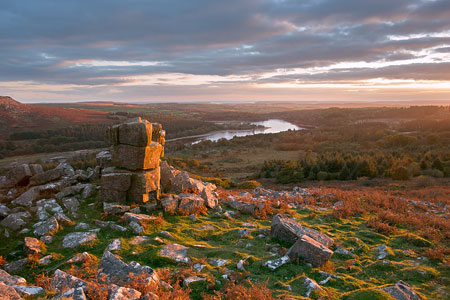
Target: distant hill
(16,116)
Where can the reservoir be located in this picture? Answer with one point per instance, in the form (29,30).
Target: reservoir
(270,126)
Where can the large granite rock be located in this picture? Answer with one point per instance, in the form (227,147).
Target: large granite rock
(402,291)
(145,186)
(19,175)
(47,176)
(49,227)
(137,134)
(168,174)
(16,221)
(8,279)
(62,281)
(27,198)
(8,293)
(112,270)
(310,250)
(137,158)
(104,159)
(170,203)
(190,203)
(209,196)
(288,230)
(114,187)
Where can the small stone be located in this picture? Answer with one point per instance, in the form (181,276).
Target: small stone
(115,245)
(217,262)
(32,246)
(139,240)
(193,217)
(198,267)
(81,226)
(115,208)
(80,258)
(29,290)
(166,234)
(137,228)
(276,263)
(46,260)
(311,285)
(76,239)
(192,279)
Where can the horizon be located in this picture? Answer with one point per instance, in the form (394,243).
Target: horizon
(238,51)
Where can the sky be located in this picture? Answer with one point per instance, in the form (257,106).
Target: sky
(229,50)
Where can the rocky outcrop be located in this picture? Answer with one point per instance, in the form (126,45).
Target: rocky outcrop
(20,174)
(136,152)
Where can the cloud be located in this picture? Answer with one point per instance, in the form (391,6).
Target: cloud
(164,47)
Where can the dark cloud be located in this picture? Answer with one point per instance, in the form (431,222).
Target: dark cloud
(42,41)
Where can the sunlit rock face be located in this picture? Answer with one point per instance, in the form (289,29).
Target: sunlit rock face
(137,147)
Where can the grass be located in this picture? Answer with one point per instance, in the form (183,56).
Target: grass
(357,277)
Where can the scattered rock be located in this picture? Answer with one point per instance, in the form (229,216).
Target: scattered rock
(290,231)
(383,251)
(137,228)
(115,208)
(15,266)
(72,294)
(47,176)
(8,293)
(276,263)
(175,252)
(16,221)
(76,239)
(218,262)
(139,218)
(62,281)
(4,210)
(190,203)
(311,285)
(343,251)
(80,258)
(32,246)
(115,245)
(112,270)
(28,198)
(310,250)
(29,290)
(49,227)
(192,279)
(198,267)
(123,293)
(402,291)
(8,279)
(139,240)
(170,204)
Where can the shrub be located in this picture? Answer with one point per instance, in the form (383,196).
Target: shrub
(322,175)
(234,291)
(249,185)
(400,173)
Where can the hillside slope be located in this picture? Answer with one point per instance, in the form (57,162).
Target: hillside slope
(16,116)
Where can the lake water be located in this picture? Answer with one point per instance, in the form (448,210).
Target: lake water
(271,126)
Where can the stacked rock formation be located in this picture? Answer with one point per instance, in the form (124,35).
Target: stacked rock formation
(137,147)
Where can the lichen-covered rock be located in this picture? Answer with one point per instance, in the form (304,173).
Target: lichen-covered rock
(49,227)
(29,291)
(311,286)
(72,294)
(16,221)
(176,252)
(104,159)
(123,293)
(210,198)
(27,199)
(15,266)
(274,264)
(190,203)
(115,208)
(76,239)
(170,204)
(19,175)
(139,218)
(62,281)
(402,291)
(112,270)
(8,279)
(8,293)
(310,250)
(47,176)
(114,187)
(288,230)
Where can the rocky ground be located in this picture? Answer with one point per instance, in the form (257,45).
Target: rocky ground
(60,241)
